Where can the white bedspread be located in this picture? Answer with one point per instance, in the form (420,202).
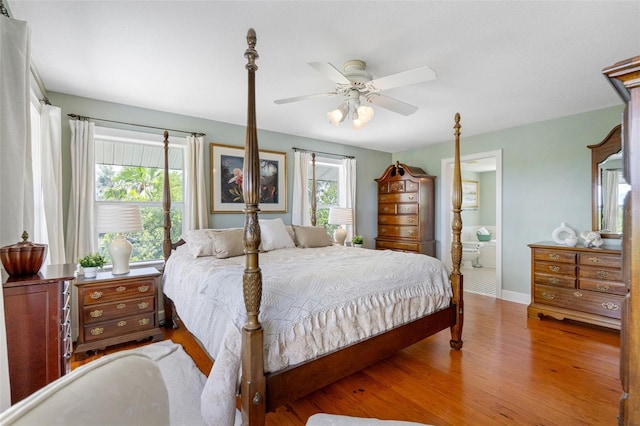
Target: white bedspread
(314,301)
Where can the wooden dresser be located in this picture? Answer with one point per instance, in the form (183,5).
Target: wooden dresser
(578,283)
(114,309)
(625,78)
(406,210)
(38,324)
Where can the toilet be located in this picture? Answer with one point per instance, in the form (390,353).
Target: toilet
(470,254)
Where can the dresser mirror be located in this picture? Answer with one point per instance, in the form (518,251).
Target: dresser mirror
(608,187)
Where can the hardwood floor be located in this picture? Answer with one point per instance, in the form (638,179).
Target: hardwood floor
(511,370)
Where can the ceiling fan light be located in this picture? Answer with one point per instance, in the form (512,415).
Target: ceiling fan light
(335,117)
(365,113)
(358,124)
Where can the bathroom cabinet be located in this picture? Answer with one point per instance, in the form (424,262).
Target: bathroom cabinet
(406,200)
(578,283)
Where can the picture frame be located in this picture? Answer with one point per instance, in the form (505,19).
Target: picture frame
(226,162)
(470,194)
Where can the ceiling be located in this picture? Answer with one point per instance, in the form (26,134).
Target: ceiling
(500,64)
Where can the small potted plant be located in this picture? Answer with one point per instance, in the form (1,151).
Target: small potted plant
(91,263)
(357,241)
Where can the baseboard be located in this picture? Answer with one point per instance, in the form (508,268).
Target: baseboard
(514,296)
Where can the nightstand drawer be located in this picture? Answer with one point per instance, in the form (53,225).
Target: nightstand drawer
(108,311)
(119,327)
(125,289)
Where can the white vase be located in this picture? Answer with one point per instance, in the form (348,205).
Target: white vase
(561,233)
(90,271)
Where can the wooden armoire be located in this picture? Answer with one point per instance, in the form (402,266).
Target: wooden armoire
(406,210)
(625,78)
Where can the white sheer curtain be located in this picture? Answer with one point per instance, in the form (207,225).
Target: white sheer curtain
(16,191)
(610,198)
(80,233)
(195,200)
(51,180)
(300,210)
(347,191)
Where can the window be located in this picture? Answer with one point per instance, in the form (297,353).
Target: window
(327,189)
(129,168)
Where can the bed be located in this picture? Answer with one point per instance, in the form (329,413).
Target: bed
(287,313)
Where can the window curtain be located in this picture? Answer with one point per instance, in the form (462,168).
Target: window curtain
(301,210)
(347,191)
(195,202)
(80,235)
(51,172)
(610,199)
(16,175)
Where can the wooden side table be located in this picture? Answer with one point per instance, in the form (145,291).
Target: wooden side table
(114,309)
(38,324)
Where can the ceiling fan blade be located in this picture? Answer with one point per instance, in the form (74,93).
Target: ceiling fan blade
(392,104)
(304,98)
(331,72)
(405,78)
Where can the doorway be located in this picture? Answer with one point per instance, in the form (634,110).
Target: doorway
(479,279)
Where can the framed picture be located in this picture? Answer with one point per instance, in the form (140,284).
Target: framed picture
(470,194)
(226,180)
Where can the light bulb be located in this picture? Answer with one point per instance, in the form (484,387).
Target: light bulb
(365,113)
(335,117)
(358,124)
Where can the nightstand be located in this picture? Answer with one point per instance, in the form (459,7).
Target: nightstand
(114,309)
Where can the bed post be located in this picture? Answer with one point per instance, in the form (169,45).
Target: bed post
(314,203)
(166,242)
(456,245)
(253,385)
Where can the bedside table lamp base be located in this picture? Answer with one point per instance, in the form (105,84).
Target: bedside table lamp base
(120,252)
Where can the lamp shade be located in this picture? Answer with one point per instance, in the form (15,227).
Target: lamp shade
(118,218)
(340,216)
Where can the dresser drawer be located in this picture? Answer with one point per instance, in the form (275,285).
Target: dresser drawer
(555,268)
(105,330)
(566,281)
(398,220)
(395,208)
(116,292)
(593,302)
(398,231)
(396,245)
(407,197)
(556,256)
(603,286)
(597,273)
(603,260)
(123,308)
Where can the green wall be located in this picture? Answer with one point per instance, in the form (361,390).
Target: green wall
(370,164)
(546,179)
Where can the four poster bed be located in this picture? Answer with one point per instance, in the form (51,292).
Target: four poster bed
(320,313)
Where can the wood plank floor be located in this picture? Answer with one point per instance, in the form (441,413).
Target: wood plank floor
(511,370)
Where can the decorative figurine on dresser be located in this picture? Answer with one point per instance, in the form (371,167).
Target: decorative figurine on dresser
(114,309)
(406,210)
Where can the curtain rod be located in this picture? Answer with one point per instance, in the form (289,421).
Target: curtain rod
(325,153)
(84,117)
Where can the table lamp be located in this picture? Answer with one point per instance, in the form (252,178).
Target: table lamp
(340,216)
(119,218)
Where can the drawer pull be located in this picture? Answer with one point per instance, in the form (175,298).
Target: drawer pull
(97,331)
(144,321)
(386,209)
(549,296)
(411,220)
(383,219)
(411,232)
(143,305)
(554,268)
(577,294)
(143,288)
(595,260)
(406,209)
(602,287)
(410,197)
(554,280)
(121,289)
(603,274)
(96,295)
(121,323)
(554,256)
(121,305)
(610,306)
(96,314)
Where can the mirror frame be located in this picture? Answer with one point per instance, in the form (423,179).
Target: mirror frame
(611,144)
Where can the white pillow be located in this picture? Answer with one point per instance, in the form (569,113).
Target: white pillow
(274,235)
(200,242)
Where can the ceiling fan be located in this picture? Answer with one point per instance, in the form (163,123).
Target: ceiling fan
(355,83)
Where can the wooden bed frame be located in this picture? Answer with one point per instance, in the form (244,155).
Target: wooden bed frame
(262,392)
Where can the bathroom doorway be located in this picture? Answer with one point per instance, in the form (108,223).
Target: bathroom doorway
(483,171)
